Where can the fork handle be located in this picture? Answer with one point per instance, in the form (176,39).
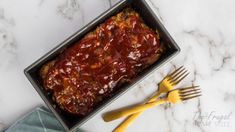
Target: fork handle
(126,112)
(110,116)
(125,124)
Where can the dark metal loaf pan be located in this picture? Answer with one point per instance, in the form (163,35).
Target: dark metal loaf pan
(70,122)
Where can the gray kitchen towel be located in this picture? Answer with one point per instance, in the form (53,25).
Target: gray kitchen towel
(40,120)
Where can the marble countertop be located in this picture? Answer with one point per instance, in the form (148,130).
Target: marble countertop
(204,29)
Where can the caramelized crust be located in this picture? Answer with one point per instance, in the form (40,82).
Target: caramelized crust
(94,67)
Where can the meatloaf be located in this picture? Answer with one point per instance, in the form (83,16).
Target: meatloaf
(93,68)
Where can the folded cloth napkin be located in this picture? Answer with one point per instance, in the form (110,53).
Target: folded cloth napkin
(40,120)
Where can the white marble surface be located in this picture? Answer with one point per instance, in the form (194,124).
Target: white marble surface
(204,29)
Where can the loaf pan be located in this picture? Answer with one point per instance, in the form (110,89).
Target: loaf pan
(69,122)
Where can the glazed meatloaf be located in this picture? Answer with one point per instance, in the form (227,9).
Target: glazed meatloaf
(93,68)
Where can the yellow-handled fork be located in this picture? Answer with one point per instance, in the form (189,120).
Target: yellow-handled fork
(174,96)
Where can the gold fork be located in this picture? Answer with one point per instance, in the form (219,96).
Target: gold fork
(174,96)
(165,86)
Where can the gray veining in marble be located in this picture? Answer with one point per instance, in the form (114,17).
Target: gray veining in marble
(202,28)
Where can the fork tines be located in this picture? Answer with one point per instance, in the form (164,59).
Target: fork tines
(178,75)
(189,92)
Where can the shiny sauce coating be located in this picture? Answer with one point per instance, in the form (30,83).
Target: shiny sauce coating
(93,68)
